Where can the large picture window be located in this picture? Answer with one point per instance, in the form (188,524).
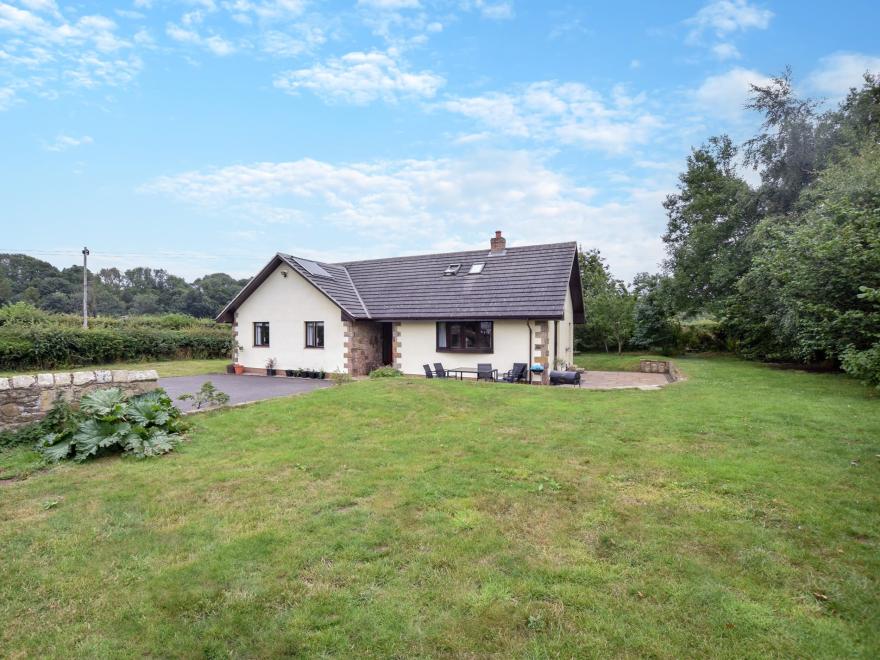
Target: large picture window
(465,336)
(314,334)
(261,333)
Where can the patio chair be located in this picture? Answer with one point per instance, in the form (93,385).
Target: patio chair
(439,371)
(428,372)
(518,373)
(484,371)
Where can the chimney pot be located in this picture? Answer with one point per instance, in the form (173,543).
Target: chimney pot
(497,244)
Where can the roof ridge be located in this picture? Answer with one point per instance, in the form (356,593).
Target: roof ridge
(441,254)
(356,292)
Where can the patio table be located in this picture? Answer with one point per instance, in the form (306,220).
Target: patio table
(461,371)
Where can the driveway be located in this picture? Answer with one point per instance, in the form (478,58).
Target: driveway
(241,389)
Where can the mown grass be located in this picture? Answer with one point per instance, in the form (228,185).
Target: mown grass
(736,514)
(166,368)
(613,361)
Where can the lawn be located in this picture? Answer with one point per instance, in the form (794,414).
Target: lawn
(615,361)
(736,514)
(166,368)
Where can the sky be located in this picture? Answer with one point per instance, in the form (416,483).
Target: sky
(205,135)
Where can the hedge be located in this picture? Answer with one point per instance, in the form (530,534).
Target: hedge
(51,347)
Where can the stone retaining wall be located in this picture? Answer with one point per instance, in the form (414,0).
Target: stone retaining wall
(26,399)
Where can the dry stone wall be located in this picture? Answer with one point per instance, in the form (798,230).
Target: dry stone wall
(27,399)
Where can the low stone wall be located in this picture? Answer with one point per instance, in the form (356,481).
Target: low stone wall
(659,367)
(26,399)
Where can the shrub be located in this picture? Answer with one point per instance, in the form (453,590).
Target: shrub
(340,377)
(23,313)
(208,396)
(58,419)
(385,372)
(53,346)
(702,336)
(139,426)
(864,365)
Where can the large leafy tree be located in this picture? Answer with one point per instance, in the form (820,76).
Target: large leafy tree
(709,219)
(803,298)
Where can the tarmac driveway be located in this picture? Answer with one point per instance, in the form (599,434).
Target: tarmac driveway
(241,389)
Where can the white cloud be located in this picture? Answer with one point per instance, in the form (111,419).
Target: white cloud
(837,73)
(65,142)
(7,98)
(214,43)
(436,203)
(570,113)
(284,44)
(720,20)
(723,17)
(391,5)
(726,51)
(360,78)
(45,53)
(498,11)
(725,94)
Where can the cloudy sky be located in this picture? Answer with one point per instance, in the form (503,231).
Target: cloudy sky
(206,135)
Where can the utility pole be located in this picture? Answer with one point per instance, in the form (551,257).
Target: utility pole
(85,287)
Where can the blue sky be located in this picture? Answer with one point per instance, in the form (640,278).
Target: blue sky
(206,135)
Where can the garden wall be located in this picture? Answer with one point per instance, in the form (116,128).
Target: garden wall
(26,399)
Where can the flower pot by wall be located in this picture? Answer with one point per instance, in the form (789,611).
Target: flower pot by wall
(238,369)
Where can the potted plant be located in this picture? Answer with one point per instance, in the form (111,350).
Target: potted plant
(238,369)
(230,368)
(321,374)
(270,366)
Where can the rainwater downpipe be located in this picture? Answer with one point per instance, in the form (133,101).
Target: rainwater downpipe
(529,354)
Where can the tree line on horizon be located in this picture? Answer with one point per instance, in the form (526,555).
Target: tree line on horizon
(788,271)
(112,292)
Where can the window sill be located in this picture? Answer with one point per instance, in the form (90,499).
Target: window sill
(260,346)
(320,348)
(484,351)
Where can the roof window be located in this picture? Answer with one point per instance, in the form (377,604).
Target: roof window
(476,269)
(451,269)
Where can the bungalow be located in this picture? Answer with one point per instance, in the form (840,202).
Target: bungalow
(501,305)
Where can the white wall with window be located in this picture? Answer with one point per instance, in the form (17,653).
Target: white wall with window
(462,344)
(288,319)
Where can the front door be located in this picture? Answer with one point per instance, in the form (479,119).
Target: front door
(387,358)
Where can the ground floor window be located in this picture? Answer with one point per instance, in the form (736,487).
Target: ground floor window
(314,334)
(261,333)
(465,336)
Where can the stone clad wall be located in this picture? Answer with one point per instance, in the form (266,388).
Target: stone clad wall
(26,399)
(363,347)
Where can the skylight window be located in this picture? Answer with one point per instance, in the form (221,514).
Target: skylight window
(476,269)
(451,269)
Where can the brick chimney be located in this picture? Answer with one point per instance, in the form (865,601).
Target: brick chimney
(497,244)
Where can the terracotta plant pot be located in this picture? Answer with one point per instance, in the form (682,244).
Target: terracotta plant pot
(238,368)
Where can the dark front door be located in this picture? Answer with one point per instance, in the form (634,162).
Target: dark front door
(387,358)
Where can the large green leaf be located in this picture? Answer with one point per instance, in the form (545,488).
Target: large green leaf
(104,403)
(55,446)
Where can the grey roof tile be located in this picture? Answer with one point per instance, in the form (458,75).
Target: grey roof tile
(523,282)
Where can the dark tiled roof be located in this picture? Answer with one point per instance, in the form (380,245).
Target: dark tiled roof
(523,282)
(339,287)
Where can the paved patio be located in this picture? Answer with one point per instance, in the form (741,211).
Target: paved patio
(241,389)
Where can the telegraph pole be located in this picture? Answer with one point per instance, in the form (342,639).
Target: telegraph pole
(85,287)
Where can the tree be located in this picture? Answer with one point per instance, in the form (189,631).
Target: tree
(785,151)
(802,299)
(654,320)
(612,314)
(595,280)
(709,219)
